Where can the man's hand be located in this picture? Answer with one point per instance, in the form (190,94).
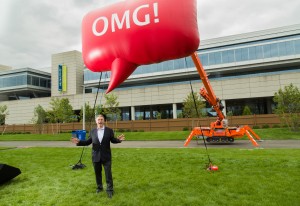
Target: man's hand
(74,140)
(121,137)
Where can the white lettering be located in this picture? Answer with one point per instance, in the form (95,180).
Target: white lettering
(105,27)
(116,23)
(115,18)
(135,19)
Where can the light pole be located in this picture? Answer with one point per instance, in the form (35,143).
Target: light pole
(83,109)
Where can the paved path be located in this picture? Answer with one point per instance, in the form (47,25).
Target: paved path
(242,144)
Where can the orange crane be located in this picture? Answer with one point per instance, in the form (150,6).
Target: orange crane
(218,131)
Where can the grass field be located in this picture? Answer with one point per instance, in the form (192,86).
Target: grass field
(155,177)
(270,133)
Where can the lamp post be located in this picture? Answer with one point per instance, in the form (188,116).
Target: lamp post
(83,109)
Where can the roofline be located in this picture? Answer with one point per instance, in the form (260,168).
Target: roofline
(250,36)
(26,69)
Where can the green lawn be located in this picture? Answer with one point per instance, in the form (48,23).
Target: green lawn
(155,177)
(271,133)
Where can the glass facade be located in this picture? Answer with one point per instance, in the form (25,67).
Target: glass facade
(24,79)
(25,85)
(256,50)
(256,105)
(164,111)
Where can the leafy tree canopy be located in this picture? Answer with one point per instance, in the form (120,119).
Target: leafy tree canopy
(189,106)
(288,106)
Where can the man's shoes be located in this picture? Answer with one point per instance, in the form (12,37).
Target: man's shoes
(99,190)
(110,194)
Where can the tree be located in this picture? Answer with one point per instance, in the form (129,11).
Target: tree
(189,110)
(61,112)
(66,114)
(288,106)
(99,109)
(53,114)
(40,117)
(110,107)
(3,114)
(246,110)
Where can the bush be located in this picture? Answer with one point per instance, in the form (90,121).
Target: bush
(13,133)
(265,126)
(121,130)
(230,113)
(247,111)
(185,129)
(276,126)
(255,127)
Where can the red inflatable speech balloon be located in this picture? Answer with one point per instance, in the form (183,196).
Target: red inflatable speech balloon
(122,36)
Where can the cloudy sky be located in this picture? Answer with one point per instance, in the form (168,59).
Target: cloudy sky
(32,30)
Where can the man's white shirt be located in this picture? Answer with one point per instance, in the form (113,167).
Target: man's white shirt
(100,132)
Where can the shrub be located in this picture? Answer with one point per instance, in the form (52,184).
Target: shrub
(230,113)
(121,130)
(255,127)
(276,126)
(247,111)
(265,126)
(185,129)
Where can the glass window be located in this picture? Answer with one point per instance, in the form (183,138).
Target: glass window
(125,113)
(259,52)
(215,58)
(289,45)
(244,54)
(204,59)
(238,55)
(159,67)
(43,82)
(267,51)
(190,63)
(139,115)
(274,50)
(297,46)
(252,53)
(179,64)
(227,56)
(167,65)
(49,83)
(9,82)
(286,48)
(20,80)
(29,80)
(35,81)
(144,69)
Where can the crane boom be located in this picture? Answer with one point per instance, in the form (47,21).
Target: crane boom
(207,92)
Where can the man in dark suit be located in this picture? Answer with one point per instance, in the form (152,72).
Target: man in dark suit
(100,139)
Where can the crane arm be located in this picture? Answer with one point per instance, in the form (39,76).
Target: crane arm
(207,92)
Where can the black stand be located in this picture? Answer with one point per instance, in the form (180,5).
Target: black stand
(79,165)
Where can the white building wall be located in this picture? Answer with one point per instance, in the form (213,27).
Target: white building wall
(22,111)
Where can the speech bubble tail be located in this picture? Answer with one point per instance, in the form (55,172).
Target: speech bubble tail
(120,70)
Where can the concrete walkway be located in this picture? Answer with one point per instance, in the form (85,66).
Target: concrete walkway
(242,144)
